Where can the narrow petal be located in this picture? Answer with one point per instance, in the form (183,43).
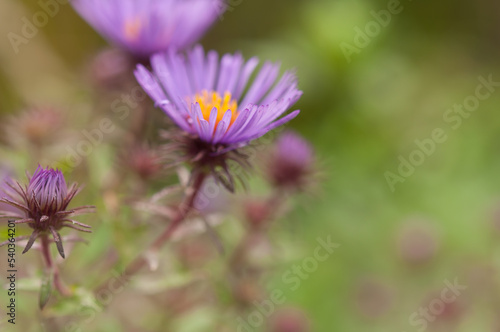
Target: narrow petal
(262,83)
(213,121)
(248,69)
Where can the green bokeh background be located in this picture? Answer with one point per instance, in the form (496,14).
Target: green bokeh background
(360,115)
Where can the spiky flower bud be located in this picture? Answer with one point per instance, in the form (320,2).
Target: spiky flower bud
(47,191)
(43,205)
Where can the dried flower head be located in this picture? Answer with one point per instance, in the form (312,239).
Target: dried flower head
(209,101)
(43,205)
(373,297)
(111,69)
(38,125)
(417,242)
(291,162)
(290,320)
(143,27)
(143,161)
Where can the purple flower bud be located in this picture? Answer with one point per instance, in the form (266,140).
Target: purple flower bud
(42,204)
(47,191)
(291,162)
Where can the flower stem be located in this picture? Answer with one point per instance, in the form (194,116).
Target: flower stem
(186,206)
(52,267)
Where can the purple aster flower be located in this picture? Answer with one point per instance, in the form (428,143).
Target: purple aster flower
(212,101)
(291,161)
(206,97)
(43,205)
(144,27)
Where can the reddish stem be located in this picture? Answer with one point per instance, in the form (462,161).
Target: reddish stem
(52,267)
(181,215)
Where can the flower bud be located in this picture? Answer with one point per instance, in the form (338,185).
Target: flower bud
(374,298)
(47,191)
(417,242)
(143,161)
(37,126)
(42,204)
(257,212)
(111,68)
(291,162)
(290,320)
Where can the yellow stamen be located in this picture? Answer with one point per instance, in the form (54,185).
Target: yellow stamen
(209,100)
(132,28)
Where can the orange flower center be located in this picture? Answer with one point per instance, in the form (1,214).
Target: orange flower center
(132,28)
(209,100)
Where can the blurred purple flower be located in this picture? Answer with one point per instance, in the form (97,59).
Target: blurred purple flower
(144,27)
(42,204)
(206,97)
(291,162)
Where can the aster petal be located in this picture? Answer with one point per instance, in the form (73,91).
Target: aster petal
(205,130)
(197,116)
(149,83)
(197,58)
(177,67)
(222,127)
(234,134)
(287,83)
(247,71)
(262,83)
(163,72)
(240,120)
(213,120)
(234,73)
(229,73)
(155,91)
(273,125)
(280,107)
(211,73)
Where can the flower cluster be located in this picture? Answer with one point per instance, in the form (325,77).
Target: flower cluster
(219,104)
